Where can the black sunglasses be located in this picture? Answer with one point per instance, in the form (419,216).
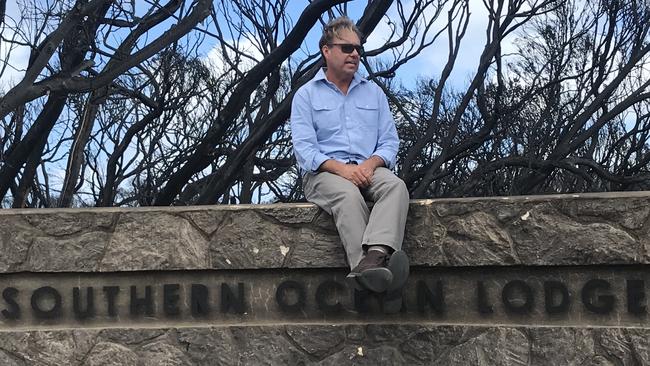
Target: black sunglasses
(348,47)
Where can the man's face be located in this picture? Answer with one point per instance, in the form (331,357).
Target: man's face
(339,62)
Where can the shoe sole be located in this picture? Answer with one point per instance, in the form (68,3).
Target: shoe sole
(375,279)
(399,267)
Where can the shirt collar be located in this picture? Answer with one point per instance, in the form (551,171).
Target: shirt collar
(357,79)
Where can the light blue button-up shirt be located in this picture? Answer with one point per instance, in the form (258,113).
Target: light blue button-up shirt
(325,124)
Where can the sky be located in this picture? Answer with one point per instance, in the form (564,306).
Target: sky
(19,56)
(428,63)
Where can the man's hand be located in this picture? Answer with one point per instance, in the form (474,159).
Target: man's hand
(368,167)
(360,176)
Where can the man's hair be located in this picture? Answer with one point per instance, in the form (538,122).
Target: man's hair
(332,30)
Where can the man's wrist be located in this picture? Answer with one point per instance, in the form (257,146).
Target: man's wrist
(376,161)
(331,166)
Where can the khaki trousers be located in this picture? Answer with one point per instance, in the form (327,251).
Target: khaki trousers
(356,224)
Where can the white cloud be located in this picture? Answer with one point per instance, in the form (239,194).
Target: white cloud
(16,56)
(471,46)
(215,58)
(433,59)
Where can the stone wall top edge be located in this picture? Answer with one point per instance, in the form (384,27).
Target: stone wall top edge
(415,265)
(242,207)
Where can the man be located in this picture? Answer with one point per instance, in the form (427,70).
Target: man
(345,142)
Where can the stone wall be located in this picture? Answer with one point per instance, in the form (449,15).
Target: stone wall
(336,345)
(582,229)
(566,232)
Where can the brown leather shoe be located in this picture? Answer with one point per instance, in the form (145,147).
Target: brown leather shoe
(371,273)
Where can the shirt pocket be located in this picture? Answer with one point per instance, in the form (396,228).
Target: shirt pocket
(368,112)
(326,118)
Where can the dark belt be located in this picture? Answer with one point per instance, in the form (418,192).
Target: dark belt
(352,162)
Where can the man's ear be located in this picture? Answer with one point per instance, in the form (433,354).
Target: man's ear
(325,53)
(324,50)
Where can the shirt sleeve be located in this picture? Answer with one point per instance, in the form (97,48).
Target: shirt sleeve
(303,134)
(387,140)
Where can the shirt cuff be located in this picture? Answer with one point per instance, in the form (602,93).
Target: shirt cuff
(387,162)
(319,159)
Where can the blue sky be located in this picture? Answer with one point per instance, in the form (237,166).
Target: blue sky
(429,63)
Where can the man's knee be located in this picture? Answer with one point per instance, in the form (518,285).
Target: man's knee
(395,186)
(398,184)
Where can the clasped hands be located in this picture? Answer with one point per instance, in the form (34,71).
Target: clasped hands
(360,175)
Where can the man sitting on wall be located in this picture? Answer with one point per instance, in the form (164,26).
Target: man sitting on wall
(345,142)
